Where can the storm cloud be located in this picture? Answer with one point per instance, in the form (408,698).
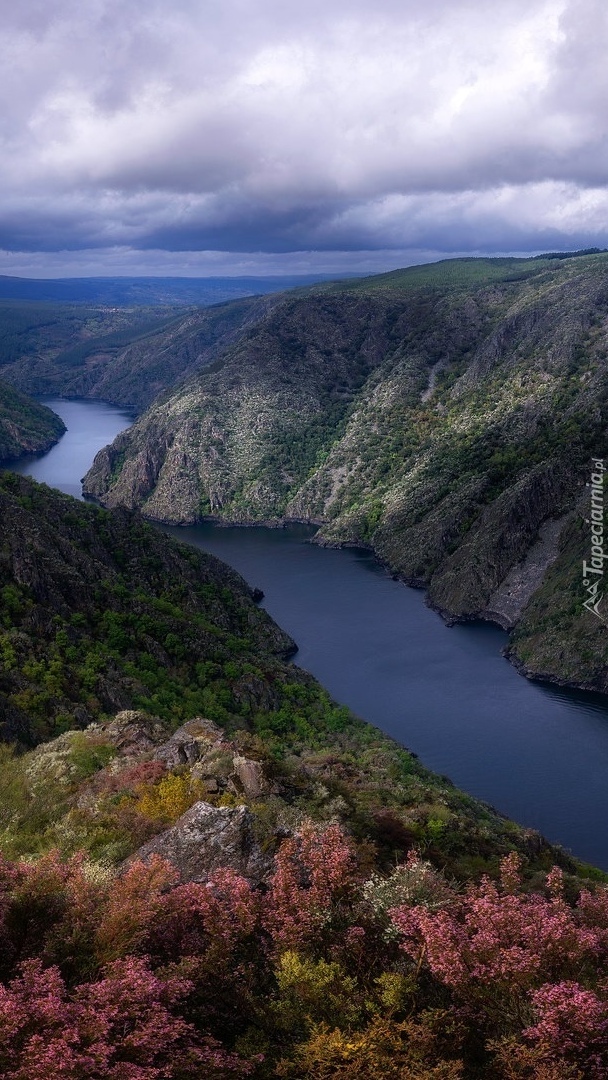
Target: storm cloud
(250,134)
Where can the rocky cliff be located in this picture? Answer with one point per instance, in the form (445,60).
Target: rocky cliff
(444,416)
(125,789)
(25,426)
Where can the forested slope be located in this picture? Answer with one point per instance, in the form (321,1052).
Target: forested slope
(26,427)
(445,416)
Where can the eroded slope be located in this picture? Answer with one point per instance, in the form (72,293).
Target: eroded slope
(446,417)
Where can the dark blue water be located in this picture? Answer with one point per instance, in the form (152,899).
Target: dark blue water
(538,754)
(91,425)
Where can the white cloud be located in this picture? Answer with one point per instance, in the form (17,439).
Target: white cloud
(276,127)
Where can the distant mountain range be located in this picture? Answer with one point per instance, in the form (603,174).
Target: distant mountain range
(147,291)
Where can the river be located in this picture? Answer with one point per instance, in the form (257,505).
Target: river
(537,753)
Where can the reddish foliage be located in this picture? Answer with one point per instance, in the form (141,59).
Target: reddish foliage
(129,779)
(210,919)
(131,907)
(573,1023)
(498,938)
(52,914)
(137,977)
(121,1028)
(312,869)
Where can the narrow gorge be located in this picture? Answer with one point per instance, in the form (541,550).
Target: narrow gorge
(444,417)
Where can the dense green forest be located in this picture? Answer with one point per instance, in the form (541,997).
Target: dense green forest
(25,426)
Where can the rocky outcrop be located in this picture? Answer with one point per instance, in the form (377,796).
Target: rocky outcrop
(252,778)
(556,638)
(190,743)
(209,838)
(507,604)
(26,427)
(201,746)
(131,732)
(505,531)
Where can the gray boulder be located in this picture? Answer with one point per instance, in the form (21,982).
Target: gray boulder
(201,746)
(251,777)
(189,743)
(133,733)
(208,838)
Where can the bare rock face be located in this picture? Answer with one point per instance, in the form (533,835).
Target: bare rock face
(133,733)
(208,838)
(201,746)
(250,775)
(507,603)
(189,743)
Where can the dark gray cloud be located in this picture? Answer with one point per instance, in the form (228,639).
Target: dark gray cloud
(279,128)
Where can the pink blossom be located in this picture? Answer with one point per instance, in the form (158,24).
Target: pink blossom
(123,1027)
(573,1024)
(498,936)
(311,870)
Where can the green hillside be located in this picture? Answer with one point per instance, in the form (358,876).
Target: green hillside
(105,613)
(25,426)
(444,416)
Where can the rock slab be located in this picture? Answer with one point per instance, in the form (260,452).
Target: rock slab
(208,838)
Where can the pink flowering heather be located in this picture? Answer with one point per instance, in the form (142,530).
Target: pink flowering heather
(311,870)
(210,920)
(122,1027)
(496,943)
(131,906)
(572,1023)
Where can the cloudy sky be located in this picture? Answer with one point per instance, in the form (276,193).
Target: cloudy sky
(262,136)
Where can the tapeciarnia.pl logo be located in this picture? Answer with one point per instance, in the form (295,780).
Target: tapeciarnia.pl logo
(593,571)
